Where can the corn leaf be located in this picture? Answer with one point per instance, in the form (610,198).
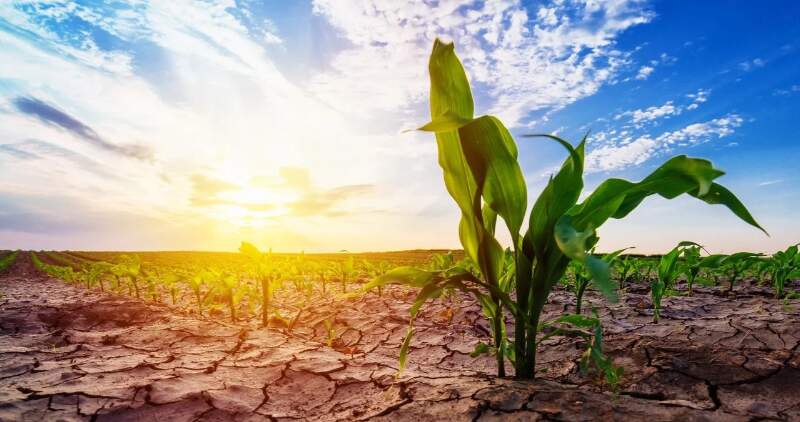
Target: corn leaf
(616,198)
(492,156)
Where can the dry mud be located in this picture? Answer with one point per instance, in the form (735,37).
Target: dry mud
(67,353)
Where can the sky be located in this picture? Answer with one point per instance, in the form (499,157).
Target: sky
(194,125)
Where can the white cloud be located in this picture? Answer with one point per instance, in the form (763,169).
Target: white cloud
(217,104)
(666,59)
(787,91)
(614,153)
(227,112)
(749,65)
(651,113)
(523,63)
(644,72)
(698,98)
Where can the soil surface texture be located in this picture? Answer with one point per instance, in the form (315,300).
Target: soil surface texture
(72,354)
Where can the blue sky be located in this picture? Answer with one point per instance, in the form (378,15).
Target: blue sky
(197,124)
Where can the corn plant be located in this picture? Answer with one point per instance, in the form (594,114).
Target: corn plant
(265,273)
(130,267)
(626,266)
(7,260)
(668,271)
(642,269)
(762,270)
(346,271)
(693,263)
(330,332)
(94,273)
(323,275)
(581,277)
(478,157)
(575,325)
(737,264)
(785,266)
(200,289)
(171,281)
(67,274)
(227,286)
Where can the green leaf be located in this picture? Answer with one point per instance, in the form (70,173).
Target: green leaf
(450,91)
(616,198)
(492,156)
(667,266)
(574,245)
(447,122)
(711,261)
(611,257)
(576,320)
(427,292)
(571,241)
(409,276)
(480,349)
(718,194)
(559,196)
(404,349)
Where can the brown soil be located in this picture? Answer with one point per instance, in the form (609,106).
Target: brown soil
(67,353)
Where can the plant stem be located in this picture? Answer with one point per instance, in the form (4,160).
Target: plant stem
(498,338)
(579,296)
(231,305)
(265,302)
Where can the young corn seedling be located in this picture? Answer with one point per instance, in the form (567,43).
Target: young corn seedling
(265,273)
(171,281)
(668,271)
(762,270)
(130,267)
(7,260)
(152,279)
(478,157)
(346,272)
(693,263)
(228,285)
(785,267)
(323,278)
(576,325)
(737,264)
(626,266)
(581,277)
(94,273)
(199,288)
(331,332)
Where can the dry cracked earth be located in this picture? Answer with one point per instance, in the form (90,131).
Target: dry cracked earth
(69,354)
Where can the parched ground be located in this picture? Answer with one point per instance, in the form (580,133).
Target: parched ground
(67,353)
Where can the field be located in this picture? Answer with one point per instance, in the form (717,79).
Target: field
(75,353)
(529,318)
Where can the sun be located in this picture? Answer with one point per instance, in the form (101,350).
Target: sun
(255,206)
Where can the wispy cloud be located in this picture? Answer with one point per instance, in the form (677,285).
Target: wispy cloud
(644,72)
(770,182)
(749,65)
(787,91)
(292,193)
(617,152)
(525,63)
(666,110)
(51,115)
(698,98)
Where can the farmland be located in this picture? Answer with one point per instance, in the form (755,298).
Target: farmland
(375,211)
(545,328)
(79,353)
